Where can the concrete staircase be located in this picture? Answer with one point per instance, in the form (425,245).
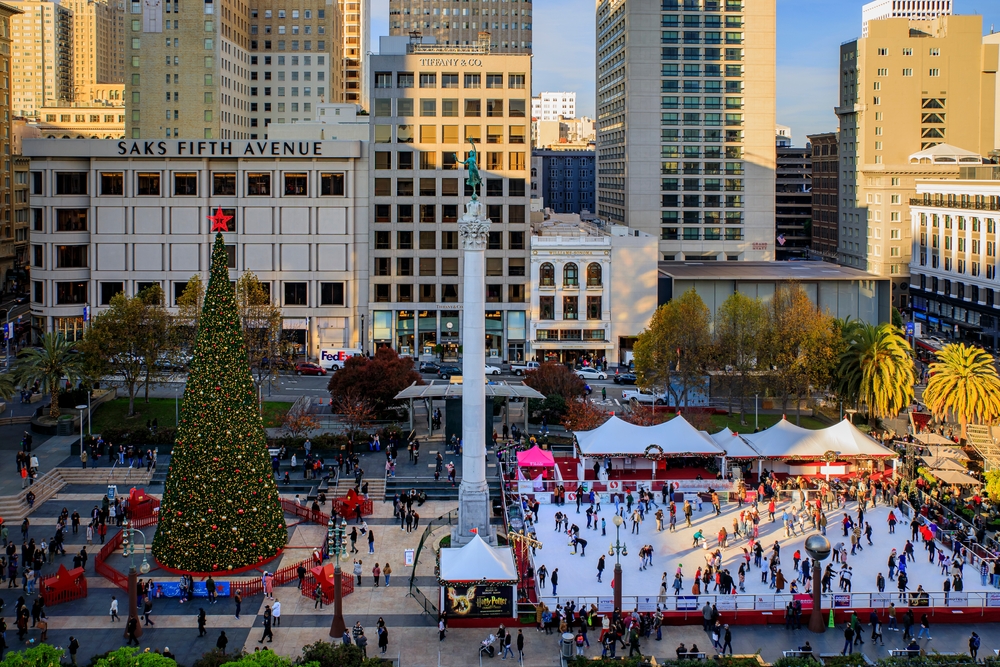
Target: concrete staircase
(15,508)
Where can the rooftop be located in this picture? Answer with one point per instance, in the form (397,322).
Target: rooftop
(761,271)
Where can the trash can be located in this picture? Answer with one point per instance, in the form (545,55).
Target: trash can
(567,644)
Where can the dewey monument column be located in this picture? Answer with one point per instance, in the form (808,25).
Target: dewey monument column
(474,493)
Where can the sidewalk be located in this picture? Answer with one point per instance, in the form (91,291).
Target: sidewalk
(52,452)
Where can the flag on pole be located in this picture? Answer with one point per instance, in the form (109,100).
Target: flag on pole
(781,239)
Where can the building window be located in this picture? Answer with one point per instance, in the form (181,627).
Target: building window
(71,256)
(593,308)
(296,185)
(71,183)
(186,184)
(570,311)
(112,183)
(331,185)
(148,185)
(224,184)
(71,219)
(515,294)
(331,294)
(109,290)
(546,308)
(571,275)
(295,294)
(547,275)
(259,185)
(71,293)
(594,275)
(449,293)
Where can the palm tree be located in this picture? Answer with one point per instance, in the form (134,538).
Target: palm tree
(7,386)
(964,381)
(876,369)
(48,365)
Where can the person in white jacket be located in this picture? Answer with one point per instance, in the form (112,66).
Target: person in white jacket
(276,612)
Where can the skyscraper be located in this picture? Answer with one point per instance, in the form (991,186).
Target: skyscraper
(455,22)
(910,87)
(553,106)
(43,69)
(226,70)
(686,118)
(429,101)
(357,26)
(98,49)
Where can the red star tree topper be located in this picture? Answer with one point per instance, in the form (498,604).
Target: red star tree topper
(220,221)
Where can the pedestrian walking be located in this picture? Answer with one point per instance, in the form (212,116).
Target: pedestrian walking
(74,645)
(130,628)
(974,643)
(520,646)
(267,627)
(727,640)
(201,622)
(848,640)
(371,541)
(147,609)
(114,609)
(386,572)
(238,599)
(222,642)
(276,613)
(383,639)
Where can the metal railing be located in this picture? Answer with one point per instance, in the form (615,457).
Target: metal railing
(429,606)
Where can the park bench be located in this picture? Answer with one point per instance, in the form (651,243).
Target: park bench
(691,656)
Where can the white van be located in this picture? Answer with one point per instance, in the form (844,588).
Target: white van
(334,359)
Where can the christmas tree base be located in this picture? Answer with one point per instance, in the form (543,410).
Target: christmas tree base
(216,573)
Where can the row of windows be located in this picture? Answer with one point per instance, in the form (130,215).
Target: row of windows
(428,266)
(490,160)
(76,293)
(907,51)
(571,275)
(428,134)
(695,234)
(449,213)
(570,308)
(428,187)
(185,184)
(471,107)
(449,80)
(449,240)
(428,293)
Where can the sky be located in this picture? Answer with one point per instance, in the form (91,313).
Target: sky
(809,36)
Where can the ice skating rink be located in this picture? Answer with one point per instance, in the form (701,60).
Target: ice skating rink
(578,573)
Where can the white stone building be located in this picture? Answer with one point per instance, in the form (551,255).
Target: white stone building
(117,216)
(553,106)
(905,9)
(595,289)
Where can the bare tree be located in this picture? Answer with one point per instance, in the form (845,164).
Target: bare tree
(261,321)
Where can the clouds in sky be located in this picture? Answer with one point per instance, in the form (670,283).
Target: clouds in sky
(809,36)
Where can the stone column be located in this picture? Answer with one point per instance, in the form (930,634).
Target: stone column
(473,494)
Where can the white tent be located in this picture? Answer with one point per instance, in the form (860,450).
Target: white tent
(617,437)
(478,561)
(949,451)
(734,445)
(785,440)
(932,439)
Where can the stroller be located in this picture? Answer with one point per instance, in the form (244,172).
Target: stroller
(486,648)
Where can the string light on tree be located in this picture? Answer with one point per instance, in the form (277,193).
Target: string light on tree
(220,510)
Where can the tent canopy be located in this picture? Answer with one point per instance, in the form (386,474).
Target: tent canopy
(536,458)
(941,463)
(785,440)
(932,439)
(955,477)
(950,451)
(617,437)
(733,445)
(478,561)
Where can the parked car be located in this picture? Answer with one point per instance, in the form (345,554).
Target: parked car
(644,396)
(624,378)
(591,374)
(492,370)
(445,372)
(429,367)
(309,368)
(524,367)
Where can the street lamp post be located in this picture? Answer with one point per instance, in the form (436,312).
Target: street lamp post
(818,548)
(755,412)
(128,549)
(177,409)
(617,550)
(80,409)
(335,540)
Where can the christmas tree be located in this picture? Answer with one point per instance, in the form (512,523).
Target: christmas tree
(220,509)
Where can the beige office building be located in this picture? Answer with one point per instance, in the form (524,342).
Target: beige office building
(685,124)
(428,102)
(42,37)
(357,43)
(459,22)
(98,47)
(907,87)
(200,73)
(13,184)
